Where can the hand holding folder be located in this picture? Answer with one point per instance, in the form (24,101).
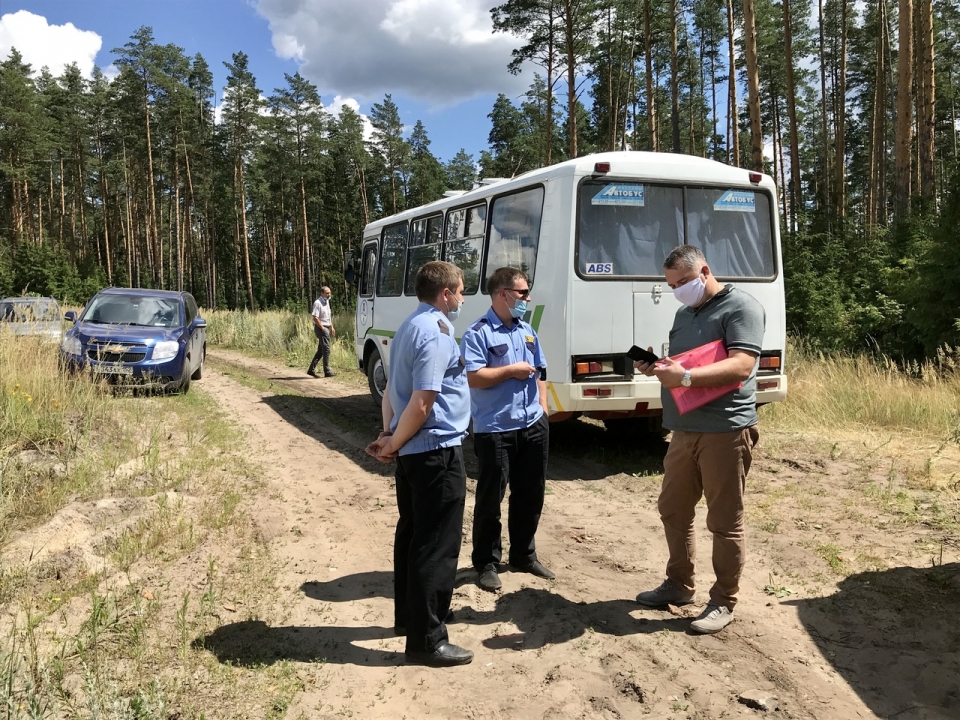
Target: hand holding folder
(690,398)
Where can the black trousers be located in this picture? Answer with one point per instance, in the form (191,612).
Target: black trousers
(431,490)
(517,458)
(323,349)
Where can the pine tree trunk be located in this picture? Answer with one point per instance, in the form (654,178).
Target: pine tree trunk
(243,234)
(904,136)
(733,130)
(825,190)
(569,23)
(795,184)
(674,80)
(651,97)
(753,84)
(926,117)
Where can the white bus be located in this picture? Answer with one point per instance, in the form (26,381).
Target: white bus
(591,234)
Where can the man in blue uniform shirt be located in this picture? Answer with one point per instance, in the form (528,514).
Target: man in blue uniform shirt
(507,374)
(426,410)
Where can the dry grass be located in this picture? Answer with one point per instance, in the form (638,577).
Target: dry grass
(281,334)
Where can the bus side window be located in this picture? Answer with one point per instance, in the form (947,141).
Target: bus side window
(368,271)
(390,282)
(424,247)
(463,243)
(515,232)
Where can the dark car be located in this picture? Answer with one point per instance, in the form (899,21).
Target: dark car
(36,316)
(146,338)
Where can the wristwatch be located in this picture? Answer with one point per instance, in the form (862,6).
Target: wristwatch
(686,381)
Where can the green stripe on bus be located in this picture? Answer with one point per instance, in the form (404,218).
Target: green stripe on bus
(384,333)
(537,314)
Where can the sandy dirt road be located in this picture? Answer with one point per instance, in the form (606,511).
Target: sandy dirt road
(577,647)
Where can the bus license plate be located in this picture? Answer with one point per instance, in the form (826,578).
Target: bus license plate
(113,370)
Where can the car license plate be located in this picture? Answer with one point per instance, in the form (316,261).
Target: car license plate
(112,370)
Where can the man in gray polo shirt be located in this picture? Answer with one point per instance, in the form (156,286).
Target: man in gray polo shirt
(712,446)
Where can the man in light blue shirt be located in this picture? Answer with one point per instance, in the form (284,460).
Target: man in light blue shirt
(426,410)
(507,373)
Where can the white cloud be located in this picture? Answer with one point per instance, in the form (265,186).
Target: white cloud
(53,46)
(442,51)
(339,102)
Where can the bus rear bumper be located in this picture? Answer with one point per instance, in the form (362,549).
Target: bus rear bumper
(639,398)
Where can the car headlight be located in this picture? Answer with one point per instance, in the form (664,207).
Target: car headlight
(166,349)
(71,346)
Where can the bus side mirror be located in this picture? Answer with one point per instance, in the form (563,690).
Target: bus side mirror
(349,270)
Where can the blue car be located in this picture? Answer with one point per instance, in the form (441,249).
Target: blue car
(143,338)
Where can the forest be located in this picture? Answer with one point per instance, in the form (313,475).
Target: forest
(851,106)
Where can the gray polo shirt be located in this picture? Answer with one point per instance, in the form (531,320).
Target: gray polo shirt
(738,319)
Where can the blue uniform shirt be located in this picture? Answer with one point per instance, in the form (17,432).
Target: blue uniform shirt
(424,356)
(512,404)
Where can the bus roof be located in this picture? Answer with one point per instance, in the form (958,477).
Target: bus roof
(650,166)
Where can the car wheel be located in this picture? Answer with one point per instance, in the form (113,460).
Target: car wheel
(198,373)
(185,381)
(376,377)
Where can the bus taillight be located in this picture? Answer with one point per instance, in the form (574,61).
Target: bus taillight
(770,361)
(601,167)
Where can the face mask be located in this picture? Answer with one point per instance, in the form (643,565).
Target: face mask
(519,309)
(323,300)
(452,315)
(691,293)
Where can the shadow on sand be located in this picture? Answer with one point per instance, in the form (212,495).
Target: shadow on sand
(894,636)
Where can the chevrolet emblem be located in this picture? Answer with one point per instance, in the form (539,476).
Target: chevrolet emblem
(119,349)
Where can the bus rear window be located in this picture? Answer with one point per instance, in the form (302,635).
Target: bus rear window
(732,227)
(627,229)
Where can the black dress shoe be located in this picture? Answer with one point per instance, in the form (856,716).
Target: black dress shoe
(444,655)
(535,568)
(312,373)
(329,373)
(489,581)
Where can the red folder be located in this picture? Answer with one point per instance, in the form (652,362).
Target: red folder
(690,398)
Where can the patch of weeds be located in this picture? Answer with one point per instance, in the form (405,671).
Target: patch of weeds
(776,589)
(831,553)
(770,526)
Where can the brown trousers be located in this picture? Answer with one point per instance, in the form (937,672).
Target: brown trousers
(714,466)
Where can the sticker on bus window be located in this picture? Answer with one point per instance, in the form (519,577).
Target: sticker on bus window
(599,269)
(736,201)
(615,194)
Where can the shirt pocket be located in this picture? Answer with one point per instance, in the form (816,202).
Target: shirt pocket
(497,356)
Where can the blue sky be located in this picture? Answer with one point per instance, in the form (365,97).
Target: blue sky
(438,58)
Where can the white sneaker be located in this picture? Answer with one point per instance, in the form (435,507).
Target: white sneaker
(713,619)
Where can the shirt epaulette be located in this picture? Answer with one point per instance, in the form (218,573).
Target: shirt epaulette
(443,327)
(478,323)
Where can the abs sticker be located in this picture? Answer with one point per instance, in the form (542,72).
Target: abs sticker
(599,269)
(613,194)
(736,201)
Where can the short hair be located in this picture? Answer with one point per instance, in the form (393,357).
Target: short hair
(685,257)
(504,277)
(434,276)
(325,288)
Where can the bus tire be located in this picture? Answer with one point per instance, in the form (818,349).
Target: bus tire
(376,376)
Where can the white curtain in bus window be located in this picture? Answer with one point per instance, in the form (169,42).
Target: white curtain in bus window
(463,242)
(628,229)
(424,247)
(394,252)
(515,232)
(733,229)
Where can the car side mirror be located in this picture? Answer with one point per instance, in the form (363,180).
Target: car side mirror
(200,323)
(70,315)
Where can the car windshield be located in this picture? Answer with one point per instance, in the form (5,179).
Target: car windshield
(29,311)
(133,310)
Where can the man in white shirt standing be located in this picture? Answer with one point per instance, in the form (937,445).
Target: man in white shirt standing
(323,329)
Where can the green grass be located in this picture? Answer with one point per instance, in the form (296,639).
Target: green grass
(281,335)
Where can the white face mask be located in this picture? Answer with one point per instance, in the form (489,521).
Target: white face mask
(691,293)
(452,315)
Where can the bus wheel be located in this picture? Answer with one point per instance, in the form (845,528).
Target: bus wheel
(637,429)
(376,377)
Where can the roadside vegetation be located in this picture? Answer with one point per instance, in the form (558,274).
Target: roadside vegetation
(113,512)
(282,335)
